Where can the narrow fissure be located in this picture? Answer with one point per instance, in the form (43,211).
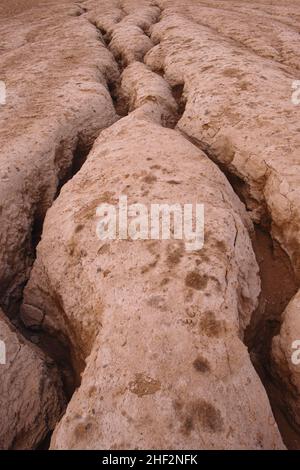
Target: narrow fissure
(278,286)
(79,157)
(120,102)
(177,92)
(103,35)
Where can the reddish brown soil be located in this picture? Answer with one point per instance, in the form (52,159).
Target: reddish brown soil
(278,287)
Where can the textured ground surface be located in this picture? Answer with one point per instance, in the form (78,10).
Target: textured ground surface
(181,102)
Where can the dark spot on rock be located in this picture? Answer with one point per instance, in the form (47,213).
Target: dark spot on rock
(196,281)
(165,281)
(201,364)
(147,268)
(173,182)
(103,249)
(232,72)
(202,414)
(81,429)
(174,256)
(149,179)
(210,326)
(92,390)
(188,425)
(143,385)
(178,405)
(221,245)
(244,85)
(155,167)
(79,228)
(157,301)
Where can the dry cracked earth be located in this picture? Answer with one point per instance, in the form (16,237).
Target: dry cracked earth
(143,344)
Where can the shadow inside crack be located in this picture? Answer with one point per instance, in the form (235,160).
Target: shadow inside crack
(278,287)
